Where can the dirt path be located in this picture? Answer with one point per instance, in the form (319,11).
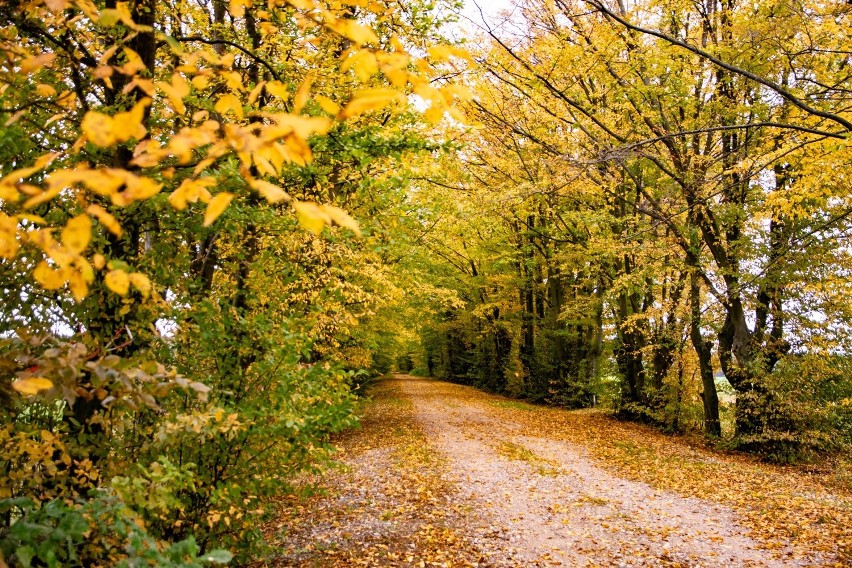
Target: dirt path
(444,475)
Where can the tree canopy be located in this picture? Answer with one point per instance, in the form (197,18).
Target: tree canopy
(218,220)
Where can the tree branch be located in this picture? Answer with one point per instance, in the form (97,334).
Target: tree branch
(783,92)
(232,44)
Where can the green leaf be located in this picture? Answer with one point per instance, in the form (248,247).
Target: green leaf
(218,557)
(25,556)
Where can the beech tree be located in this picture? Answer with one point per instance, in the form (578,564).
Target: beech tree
(181,264)
(679,151)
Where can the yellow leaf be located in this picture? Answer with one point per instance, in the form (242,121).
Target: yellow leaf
(8,192)
(447,52)
(107,55)
(117,281)
(397,77)
(342,218)
(31,64)
(271,192)
(129,124)
(440,52)
(45,90)
(229,102)
(140,282)
(298,150)
(370,99)
(216,207)
(190,191)
(233,80)
(138,188)
(56,6)
(455,91)
(237,8)
(106,219)
(177,90)
(278,89)
(350,29)
(301,126)
(427,92)
(77,233)
(311,216)
(134,63)
(255,93)
(48,277)
(42,197)
(302,94)
(302,4)
(99,261)
(103,181)
(327,104)
(104,130)
(9,244)
(98,128)
(435,113)
(365,64)
(22,173)
(264,166)
(32,385)
(67,100)
(200,81)
(77,284)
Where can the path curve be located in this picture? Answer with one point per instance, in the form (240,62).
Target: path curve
(444,475)
(561,509)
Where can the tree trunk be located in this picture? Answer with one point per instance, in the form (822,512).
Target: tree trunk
(709,396)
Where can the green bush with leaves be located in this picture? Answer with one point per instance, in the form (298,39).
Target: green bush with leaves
(100,529)
(181,266)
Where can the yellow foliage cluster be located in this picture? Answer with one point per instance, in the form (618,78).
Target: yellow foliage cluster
(263,140)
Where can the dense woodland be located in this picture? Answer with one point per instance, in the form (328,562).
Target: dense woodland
(654,194)
(219,220)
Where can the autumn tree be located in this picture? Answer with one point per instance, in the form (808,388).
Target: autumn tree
(182,268)
(678,151)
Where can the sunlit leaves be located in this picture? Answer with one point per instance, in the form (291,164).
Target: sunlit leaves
(229,103)
(118,281)
(327,104)
(364,63)
(368,100)
(311,216)
(133,63)
(9,184)
(36,62)
(271,192)
(48,277)
(104,130)
(216,207)
(352,30)
(302,94)
(447,52)
(176,90)
(314,217)
(77,233)
(237,8)
(9,244)
(45,90)
(141,282)
(191,191)
(32,385)
(105,218)
(109,17)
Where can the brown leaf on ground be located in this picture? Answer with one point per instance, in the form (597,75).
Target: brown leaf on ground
(445,475)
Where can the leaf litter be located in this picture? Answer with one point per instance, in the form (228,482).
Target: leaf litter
(445,475)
